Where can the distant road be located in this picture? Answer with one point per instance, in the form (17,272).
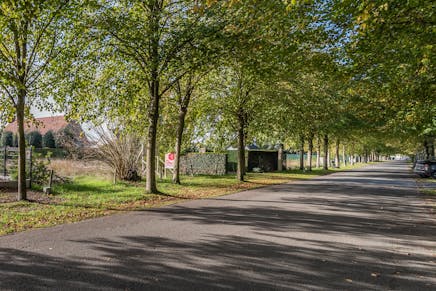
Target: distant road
(366,229)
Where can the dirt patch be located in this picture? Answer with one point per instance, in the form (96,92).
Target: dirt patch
(8,196)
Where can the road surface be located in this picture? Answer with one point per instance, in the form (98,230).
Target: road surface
(366,229)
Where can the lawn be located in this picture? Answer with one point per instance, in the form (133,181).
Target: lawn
(93,196)
(427,186)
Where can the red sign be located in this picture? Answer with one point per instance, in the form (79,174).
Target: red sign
(169,160)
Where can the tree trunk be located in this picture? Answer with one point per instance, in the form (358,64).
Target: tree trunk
(352,155)
(326,152)
(432,151)
(426,150)
(344,156)
(22,193)
(153,86)
(183,102)
(180,129)
(280,158)
(309,153)
(318,152)
(337,158)
(301,152)
(153,115)
(241,149)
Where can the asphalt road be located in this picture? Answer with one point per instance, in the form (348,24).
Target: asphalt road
(366,229)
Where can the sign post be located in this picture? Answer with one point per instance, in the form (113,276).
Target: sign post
(169,161)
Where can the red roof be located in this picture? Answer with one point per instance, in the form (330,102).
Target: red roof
(42,125)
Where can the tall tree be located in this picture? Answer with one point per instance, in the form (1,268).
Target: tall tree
(389,43)
(32,37)
(148,39)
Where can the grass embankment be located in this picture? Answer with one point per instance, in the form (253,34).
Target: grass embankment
(428,188)
(90,196)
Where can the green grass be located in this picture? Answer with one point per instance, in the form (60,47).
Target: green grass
(88,196)
(426,190)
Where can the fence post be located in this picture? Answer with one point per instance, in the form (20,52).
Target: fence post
(5,161)
(30,167)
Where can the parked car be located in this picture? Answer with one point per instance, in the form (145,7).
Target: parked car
(425,169)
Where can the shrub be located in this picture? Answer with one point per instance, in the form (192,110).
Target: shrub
(40,172)
(7,139)
(121,152)
(34,138)
(69,139)
(48,140)
(15,140)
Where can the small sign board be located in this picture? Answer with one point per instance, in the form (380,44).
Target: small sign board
(169,160)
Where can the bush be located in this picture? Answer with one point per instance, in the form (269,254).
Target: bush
(34,138)
(54,153)
(40,172)
(7,139)
(48,140)
(15,140)
(120,152)
(69,140)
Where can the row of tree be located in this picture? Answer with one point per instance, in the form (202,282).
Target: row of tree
(33,138)
(177,73)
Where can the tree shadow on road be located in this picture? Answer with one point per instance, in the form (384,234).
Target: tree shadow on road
(216,262)
(305,237)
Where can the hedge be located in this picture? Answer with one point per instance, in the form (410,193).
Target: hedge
(203,164)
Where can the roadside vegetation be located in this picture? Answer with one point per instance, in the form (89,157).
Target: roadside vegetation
(345,81)
(93,196)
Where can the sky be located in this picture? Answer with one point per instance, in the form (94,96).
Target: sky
(44,113)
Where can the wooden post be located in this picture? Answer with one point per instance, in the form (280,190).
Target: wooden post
(47,190)
(50,182)
(5,161)
(30,167)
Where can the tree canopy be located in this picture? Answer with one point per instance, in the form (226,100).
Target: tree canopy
(360,73)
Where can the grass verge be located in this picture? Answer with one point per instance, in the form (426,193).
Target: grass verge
(88,197)
(427,187)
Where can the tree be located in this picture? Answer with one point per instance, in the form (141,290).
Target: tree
(15,140)
(389,44)
(147,39)
(183,90)
(30,41)
(48,140)
(7,139)
(310,151)
(34,138)
(263,48)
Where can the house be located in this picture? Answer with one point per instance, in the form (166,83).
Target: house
(66,132)
(43,125)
